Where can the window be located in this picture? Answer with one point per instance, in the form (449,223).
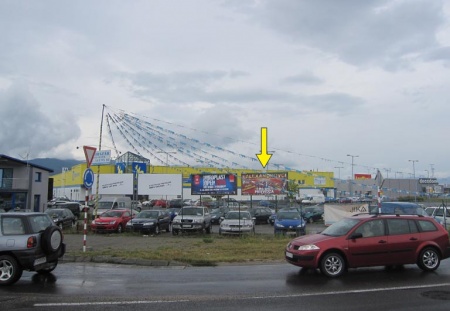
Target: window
(371,228)
(38,176)
(398,226)
(12,226)
(427,226)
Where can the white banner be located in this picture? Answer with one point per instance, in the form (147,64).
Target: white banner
(160,184)
(114,184)
(335,212)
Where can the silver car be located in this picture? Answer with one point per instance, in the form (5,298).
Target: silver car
(237,222)
(28,241)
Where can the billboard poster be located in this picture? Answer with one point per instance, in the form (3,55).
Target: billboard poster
(102,157)
(213,184)
(363,176)
(139,168)
(264,183)
(160,184)
(120,168)
(120,184)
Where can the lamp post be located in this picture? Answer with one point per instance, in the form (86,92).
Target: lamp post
(339,171)
(414,177)
(351,182)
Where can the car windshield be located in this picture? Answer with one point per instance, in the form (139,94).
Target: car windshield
(238,215)
(429,211)
(340,228)
(55,213)
(104,204)
(112,214)
(191,211)
(148,214)
(288,215)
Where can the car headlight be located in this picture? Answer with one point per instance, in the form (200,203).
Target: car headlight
(279,225)
(197,221)
(301,225)
(308,247)
(93,222)
(112,222)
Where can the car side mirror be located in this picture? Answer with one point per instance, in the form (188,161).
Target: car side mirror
(356,236)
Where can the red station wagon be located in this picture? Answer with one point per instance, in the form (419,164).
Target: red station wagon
(372,240)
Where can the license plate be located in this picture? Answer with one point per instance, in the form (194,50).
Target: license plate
(290,255)
(40,261)
(186,226)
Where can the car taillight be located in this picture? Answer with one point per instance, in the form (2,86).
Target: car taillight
(31,242)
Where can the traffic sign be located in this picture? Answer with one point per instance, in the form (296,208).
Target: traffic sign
(88,178)
(89,153)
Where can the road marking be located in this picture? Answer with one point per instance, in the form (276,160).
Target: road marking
(358,291)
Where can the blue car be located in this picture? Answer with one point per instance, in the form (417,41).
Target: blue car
(289,221)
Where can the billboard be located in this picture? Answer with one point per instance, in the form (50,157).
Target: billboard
(159,184)
(102,157)
(213,184)
(114,184)
(363,176)
(264,183)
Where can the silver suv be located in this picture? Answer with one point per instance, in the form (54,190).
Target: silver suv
(192,218)
(28,241)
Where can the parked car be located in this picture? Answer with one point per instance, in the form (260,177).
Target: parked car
(73,206)
(372,240)
(62,217)
(289,221)
(28,241)
(345,200)
(237,222)
(313,213)
(161,204)
(150,221)
(441,214)
(217,214)
(192,218)
(261,214)
(111,221)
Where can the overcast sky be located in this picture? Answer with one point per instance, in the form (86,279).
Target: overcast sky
(327,78)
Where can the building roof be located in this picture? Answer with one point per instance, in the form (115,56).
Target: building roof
(24,163)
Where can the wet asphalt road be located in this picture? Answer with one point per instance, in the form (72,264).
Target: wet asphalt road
(88,286)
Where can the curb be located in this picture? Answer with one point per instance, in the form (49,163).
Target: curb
(123,261)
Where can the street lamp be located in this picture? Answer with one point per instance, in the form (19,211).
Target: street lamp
(414,177)
(351,182)
(353,157)
(414,168)
(339,171)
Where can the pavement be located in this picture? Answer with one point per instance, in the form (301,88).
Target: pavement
(97,242)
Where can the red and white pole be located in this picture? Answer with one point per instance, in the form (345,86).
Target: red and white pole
(85,220)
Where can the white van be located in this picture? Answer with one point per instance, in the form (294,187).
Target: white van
(107,203)
(314,199)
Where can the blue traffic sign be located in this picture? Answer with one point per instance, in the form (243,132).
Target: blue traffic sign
(88,178)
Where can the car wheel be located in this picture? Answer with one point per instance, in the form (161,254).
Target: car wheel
(119,228)
(168,228)
(10,270)
(174,232)
(220,232)
(157,230)
(332,265)
(51,239)
(49,269)
(311,220)
(429,259)
(208,229)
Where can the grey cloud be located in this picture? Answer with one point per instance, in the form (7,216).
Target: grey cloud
(304,78)
(26,128)
(442,53)
(358,32)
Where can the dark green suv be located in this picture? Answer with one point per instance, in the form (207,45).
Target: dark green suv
(28,241)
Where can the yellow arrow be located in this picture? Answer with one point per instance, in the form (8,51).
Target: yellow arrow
(264,157)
